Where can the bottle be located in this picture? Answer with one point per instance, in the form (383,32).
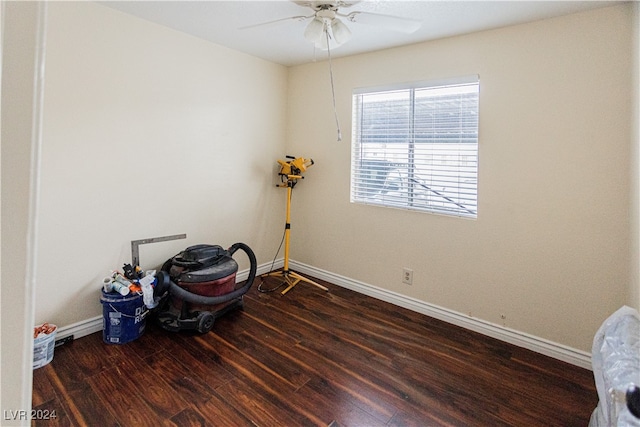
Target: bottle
(107,284)
(120,288)
(147,291)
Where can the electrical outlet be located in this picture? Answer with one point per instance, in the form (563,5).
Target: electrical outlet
(407,276)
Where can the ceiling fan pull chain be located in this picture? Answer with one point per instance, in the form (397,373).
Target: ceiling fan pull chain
(333,91)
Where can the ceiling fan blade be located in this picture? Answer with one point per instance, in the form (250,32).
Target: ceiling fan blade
(395,23)
(277,22)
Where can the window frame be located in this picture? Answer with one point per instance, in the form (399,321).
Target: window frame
(363,185)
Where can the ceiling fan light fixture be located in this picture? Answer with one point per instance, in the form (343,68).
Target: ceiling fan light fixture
(322,43)
(332,40)
(341,33)
(314,31)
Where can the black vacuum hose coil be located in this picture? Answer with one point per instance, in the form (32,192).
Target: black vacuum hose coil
(165,283)
(633,401)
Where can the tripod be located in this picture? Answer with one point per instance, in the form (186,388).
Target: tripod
(291,278)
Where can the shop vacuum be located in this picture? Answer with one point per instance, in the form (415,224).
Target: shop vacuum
(198,285)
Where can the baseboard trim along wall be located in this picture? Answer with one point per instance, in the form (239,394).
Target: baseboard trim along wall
(80,329)
(511,336)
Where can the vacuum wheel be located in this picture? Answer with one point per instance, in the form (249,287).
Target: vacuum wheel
(205,322)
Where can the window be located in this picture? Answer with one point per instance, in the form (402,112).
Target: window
(416,147)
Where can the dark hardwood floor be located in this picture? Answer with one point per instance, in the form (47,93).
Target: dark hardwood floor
(311,358)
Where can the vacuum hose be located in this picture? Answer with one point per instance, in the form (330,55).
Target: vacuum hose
(200,299)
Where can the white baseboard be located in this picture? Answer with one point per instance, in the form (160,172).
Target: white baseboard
(89,326)
(80,329)
(520,339)
(511,336)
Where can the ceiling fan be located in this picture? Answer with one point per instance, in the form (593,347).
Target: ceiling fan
(325,26)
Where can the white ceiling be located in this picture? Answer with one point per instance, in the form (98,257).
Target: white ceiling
(220,22)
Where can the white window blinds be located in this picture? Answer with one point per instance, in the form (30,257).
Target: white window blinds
(417,148)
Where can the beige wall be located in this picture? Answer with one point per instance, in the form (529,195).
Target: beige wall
(550,247)
(634,282)
(149,132)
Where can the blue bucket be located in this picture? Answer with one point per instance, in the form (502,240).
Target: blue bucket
(124,317)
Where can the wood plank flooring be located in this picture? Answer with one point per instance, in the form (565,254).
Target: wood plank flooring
(311,358)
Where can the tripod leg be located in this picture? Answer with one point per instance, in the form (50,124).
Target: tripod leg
(300,278)
(291,285)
